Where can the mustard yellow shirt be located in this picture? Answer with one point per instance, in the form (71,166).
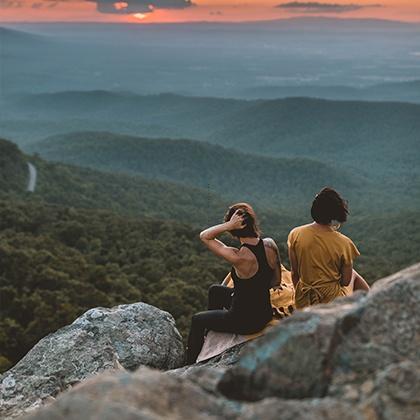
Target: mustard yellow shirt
(320,255)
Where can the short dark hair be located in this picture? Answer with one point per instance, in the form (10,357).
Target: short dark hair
(251,228)
(327,206)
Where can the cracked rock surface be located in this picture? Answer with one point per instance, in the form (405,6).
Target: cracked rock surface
(126,336)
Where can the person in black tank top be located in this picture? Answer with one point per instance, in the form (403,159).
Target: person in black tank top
(245,309)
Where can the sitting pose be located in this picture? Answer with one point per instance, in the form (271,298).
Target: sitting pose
(321,258)
(255,269)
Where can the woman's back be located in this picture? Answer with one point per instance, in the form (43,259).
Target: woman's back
(321,252)
(251,299)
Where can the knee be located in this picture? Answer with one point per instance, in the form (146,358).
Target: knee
(213,289)
(196,320)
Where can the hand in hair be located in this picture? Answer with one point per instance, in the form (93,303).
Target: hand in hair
(237,221)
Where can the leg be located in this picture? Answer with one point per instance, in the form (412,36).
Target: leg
(358,282)
(220,297)
(217,320)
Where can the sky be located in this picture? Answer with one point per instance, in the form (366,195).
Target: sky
(152,11)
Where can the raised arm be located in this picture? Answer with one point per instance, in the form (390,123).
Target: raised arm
(208,237)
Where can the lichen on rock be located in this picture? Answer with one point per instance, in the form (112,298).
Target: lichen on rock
(126,336)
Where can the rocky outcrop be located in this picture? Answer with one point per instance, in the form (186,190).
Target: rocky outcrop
(354,359)
(152,395)
(331,349)
(126,336)
(145,394)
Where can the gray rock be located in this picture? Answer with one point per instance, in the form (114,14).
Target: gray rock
(207,374)
(325,349)
(387,331)
(126,336)
(291,361)
(146,394)
(151,395)
(395,393)
(311,409)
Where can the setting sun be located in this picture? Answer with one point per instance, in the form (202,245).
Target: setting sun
(140,16)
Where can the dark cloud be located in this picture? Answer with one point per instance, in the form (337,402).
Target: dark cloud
(107,6)
(139,6)
(316,7)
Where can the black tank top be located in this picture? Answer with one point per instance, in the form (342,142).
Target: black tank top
(251,297)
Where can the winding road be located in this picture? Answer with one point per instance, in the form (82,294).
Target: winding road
(32,177)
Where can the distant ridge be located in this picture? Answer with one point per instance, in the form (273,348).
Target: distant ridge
(198,164)
(299,19)
(17,35)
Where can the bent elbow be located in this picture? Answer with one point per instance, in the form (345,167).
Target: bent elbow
(202,236)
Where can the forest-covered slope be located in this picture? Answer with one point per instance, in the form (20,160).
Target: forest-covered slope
(56,262)
(276,182)
(350,132)
(13,168)
(62,253)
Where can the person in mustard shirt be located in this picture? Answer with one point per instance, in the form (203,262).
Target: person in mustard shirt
(321,258)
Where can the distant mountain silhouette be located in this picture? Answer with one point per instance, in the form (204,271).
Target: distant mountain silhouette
(398,91)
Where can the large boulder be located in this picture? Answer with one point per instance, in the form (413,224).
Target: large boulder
(291,361)
(145,394)
(151,395)
(126,336)
(332,349)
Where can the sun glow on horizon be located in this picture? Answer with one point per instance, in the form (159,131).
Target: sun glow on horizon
(140,16)
(165,11)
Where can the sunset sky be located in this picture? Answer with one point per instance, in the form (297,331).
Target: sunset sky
(143,11)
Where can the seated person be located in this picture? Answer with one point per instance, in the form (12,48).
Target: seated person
(321,258)
(255,269)
(282,294)
(282,301)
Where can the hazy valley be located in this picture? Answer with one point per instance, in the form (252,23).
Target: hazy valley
(139,147)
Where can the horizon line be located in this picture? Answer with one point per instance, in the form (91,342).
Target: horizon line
(411,23)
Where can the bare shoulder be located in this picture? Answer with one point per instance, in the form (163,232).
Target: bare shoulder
(270,243)
(272,251)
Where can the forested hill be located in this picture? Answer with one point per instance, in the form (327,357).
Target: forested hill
(13,168)
(57,262)
(233,174)
(61,253)
(85,188)
(285,127)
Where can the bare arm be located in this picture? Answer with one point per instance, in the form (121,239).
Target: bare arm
(294,266)
(208,237)
(346,274)
(274,261)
